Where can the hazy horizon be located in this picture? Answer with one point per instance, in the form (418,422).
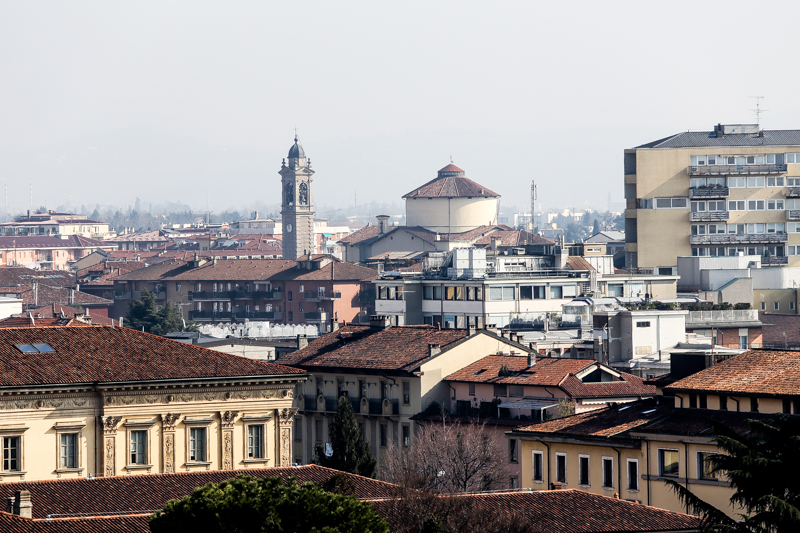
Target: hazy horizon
(197,103)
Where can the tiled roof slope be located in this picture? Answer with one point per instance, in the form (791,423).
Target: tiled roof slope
(550,372)
(395,348)
(333,271)
(579,263)
(752,372)
(513,237)
(10,276)
(573,511)
(130,494)
(27,322)
(235,270)
(47,295)
(363,234)
(86,524)
(451,187)
(699,139)
(107,355)
(41,241)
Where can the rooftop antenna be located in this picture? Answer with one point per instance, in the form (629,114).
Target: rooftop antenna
(758,110)
(534,197)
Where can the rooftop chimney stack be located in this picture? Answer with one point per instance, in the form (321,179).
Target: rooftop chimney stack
(379,322)
(22,504)
(302,341)
(434,349)
(383,223)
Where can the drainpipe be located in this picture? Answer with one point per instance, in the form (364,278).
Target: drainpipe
(619,472)
(548,464)
(737,403)
(648,471)
(686,454)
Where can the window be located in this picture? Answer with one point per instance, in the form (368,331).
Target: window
(255,441)
(177,287)
(384,436)
(774,182)
(633,474)
(755,205)
(775,204)
(764,304)
(500,389)
(561,468)
(406,392)
(406,435)
(68,453)
(472,389)
(705,468)
(197,444)
(318,431)
(298,429)
(736,205)
(703,400)
(737,183)
(516,391)
(431,292)
(608,472)
(645,324)
(671,203)
(501,293)
(512,451)
(513,482)
(755,182)
(668,465)
(791,306)
(583,470)
(11,454)
(289,295)
(138,441)
(754,404)
(537,466)
(723,402)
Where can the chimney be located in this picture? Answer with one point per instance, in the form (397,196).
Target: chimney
(496,242)
(470,330)
(383,223)
(10,505)
(22,504)
(491,328)
(379,322)
(434,348)
(531,359)
(334,324)
(302,341)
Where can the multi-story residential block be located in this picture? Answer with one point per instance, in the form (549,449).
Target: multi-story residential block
(389,374)
(471,286)
(630,449)
(51,252)
(56,224)
(104,401)
(312,290)
(732,190)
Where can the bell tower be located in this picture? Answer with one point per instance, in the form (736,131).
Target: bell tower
(297,207)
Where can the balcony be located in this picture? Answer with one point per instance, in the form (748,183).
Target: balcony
(730,170)
(696,318)
(122,295)
(709,216)
(793,214)
(319,316)
(267,295)
(210,315)
(792,192)
(731,238)
(207,295)
(709,192)
(363,406)
(774,260)
(262,315)
(318,297)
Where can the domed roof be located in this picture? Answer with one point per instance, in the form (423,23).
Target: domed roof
(451,170)
(296,150)
(451,182)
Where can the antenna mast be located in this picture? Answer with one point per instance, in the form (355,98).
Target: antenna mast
(534,190)
(758,110)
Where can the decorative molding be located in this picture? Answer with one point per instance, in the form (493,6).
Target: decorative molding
(227,450)
(286,446)
(228,418)
(47,402)
(110,424)
(287,415)
(169,452)
(110,444)
(169,420)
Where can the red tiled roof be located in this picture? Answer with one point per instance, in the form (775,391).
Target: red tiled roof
(579,263)
(451,186)
(752,372)
(106,272)
(630,385)
(107,355)
(234,270)
(57,310)
(513,238)
(40,241)
(46,295)
(396,348)
(131,494)
(571,511)
(363,234)
(27,322)
(335,271)
(11,276)
(137,523)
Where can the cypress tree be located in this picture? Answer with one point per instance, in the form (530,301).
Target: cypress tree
(350,451)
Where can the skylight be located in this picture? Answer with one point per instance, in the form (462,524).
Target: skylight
(37,347)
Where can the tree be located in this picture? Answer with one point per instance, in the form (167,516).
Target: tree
(763,465)
(349,450)
(449,458)
(154,319)
(245,505)
(596,228)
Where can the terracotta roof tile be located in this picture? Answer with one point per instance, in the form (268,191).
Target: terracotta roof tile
(42,241)
(752,372)
(450,186)
(513,237)
(47,295)
(27,322)
(11,276)
(400,348)
(363,234)
(107,355)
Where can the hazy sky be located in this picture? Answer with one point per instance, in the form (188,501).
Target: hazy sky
(180,101)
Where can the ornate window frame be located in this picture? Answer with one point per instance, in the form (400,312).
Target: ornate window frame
(255,420)
(14,431)
(69,428)
(139,425)
(197,423)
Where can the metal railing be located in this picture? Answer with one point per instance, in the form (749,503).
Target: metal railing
(717,170)
(759,238)
(210,315)
(314,315)
(792,192)
(256,315)
(730,315)
(709,216)
(122,295)
(318,296)
(709,192)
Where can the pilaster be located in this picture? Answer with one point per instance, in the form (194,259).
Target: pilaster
(285,420)
(227,419)
(110,424)
(168,423)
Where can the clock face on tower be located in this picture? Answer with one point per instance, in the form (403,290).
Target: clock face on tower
(289,228)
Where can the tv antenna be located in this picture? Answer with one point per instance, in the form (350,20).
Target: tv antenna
(758,110)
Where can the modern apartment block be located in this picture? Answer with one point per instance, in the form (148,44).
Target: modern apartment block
(732,190)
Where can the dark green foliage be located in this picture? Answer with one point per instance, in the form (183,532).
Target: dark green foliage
(351,452)
(154,319)
(340,483)
(246,505)
(742,305)
(764,468)
(596,228)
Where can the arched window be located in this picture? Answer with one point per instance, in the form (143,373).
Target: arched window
(302,196)
(289,194)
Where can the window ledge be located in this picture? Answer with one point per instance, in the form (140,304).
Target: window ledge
(207,464)
(632,490)
(538,481)
(585,486)
(13,473)
(608,488)
(138,467)
(263,460)
(64,470)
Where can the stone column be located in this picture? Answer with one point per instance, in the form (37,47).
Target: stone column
(285,420)
(110,424)
(168,422)
(227,418)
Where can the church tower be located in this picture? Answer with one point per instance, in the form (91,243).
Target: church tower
(297,207)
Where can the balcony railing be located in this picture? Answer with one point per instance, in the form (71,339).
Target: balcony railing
(208,295)
(730,315)
(774,260)
(760,238)
(317,296)
(729,170)
(709,216)
(262,315)
(236,295)
(210,315)
(315,316)
(792,192)
(709,192)
(793,214)
(122,295)
(267,295)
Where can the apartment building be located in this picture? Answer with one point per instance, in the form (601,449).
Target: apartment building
(309,290)
(56,224)
(733,190)
(51,252)
(102,401)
